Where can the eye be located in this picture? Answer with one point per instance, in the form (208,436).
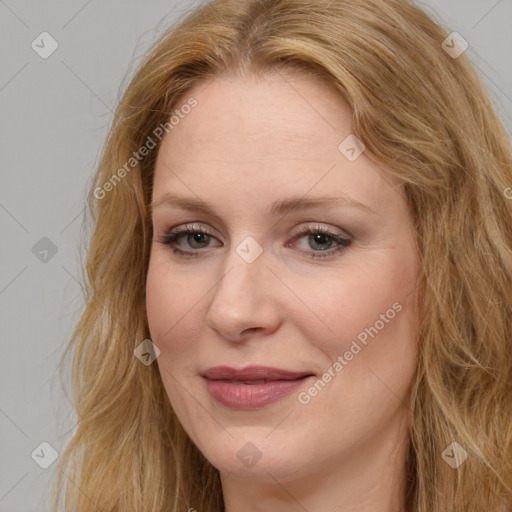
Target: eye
(198,237)
(322,240)
(195,235)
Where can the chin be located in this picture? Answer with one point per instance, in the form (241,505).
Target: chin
(258,458)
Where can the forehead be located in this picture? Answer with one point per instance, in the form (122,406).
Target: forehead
(264,137)
(279,114)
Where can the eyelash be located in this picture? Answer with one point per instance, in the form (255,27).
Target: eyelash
(169,239)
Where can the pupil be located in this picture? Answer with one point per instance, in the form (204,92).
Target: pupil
(198,238)
(321,239)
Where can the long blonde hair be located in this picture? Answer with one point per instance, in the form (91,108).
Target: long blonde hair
(425,117)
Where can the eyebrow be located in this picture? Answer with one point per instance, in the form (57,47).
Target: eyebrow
(281,207)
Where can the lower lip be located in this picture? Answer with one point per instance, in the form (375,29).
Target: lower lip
(252,396)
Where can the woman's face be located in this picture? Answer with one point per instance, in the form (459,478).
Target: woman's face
(263,175)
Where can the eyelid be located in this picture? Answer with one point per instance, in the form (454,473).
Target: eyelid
(304,228)
(193,226)
(315,226)
(343,242)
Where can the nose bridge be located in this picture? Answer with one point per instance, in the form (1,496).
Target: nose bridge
(240,300)
(245,271)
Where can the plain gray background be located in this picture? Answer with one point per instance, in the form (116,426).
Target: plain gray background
(55,113)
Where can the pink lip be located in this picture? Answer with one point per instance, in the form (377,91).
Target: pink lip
(238,395)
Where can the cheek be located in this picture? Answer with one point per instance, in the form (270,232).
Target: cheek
(371,299)
(159,300)
(170,310)
(369,362)
(170,305)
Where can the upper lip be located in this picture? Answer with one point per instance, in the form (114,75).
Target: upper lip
(252,373)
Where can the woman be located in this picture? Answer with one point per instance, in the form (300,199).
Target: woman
(300,276)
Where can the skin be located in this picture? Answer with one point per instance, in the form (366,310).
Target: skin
(250,142)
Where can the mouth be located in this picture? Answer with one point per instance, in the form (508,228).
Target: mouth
(252,387)
(253,374)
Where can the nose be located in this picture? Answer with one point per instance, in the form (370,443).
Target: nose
(245,299)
